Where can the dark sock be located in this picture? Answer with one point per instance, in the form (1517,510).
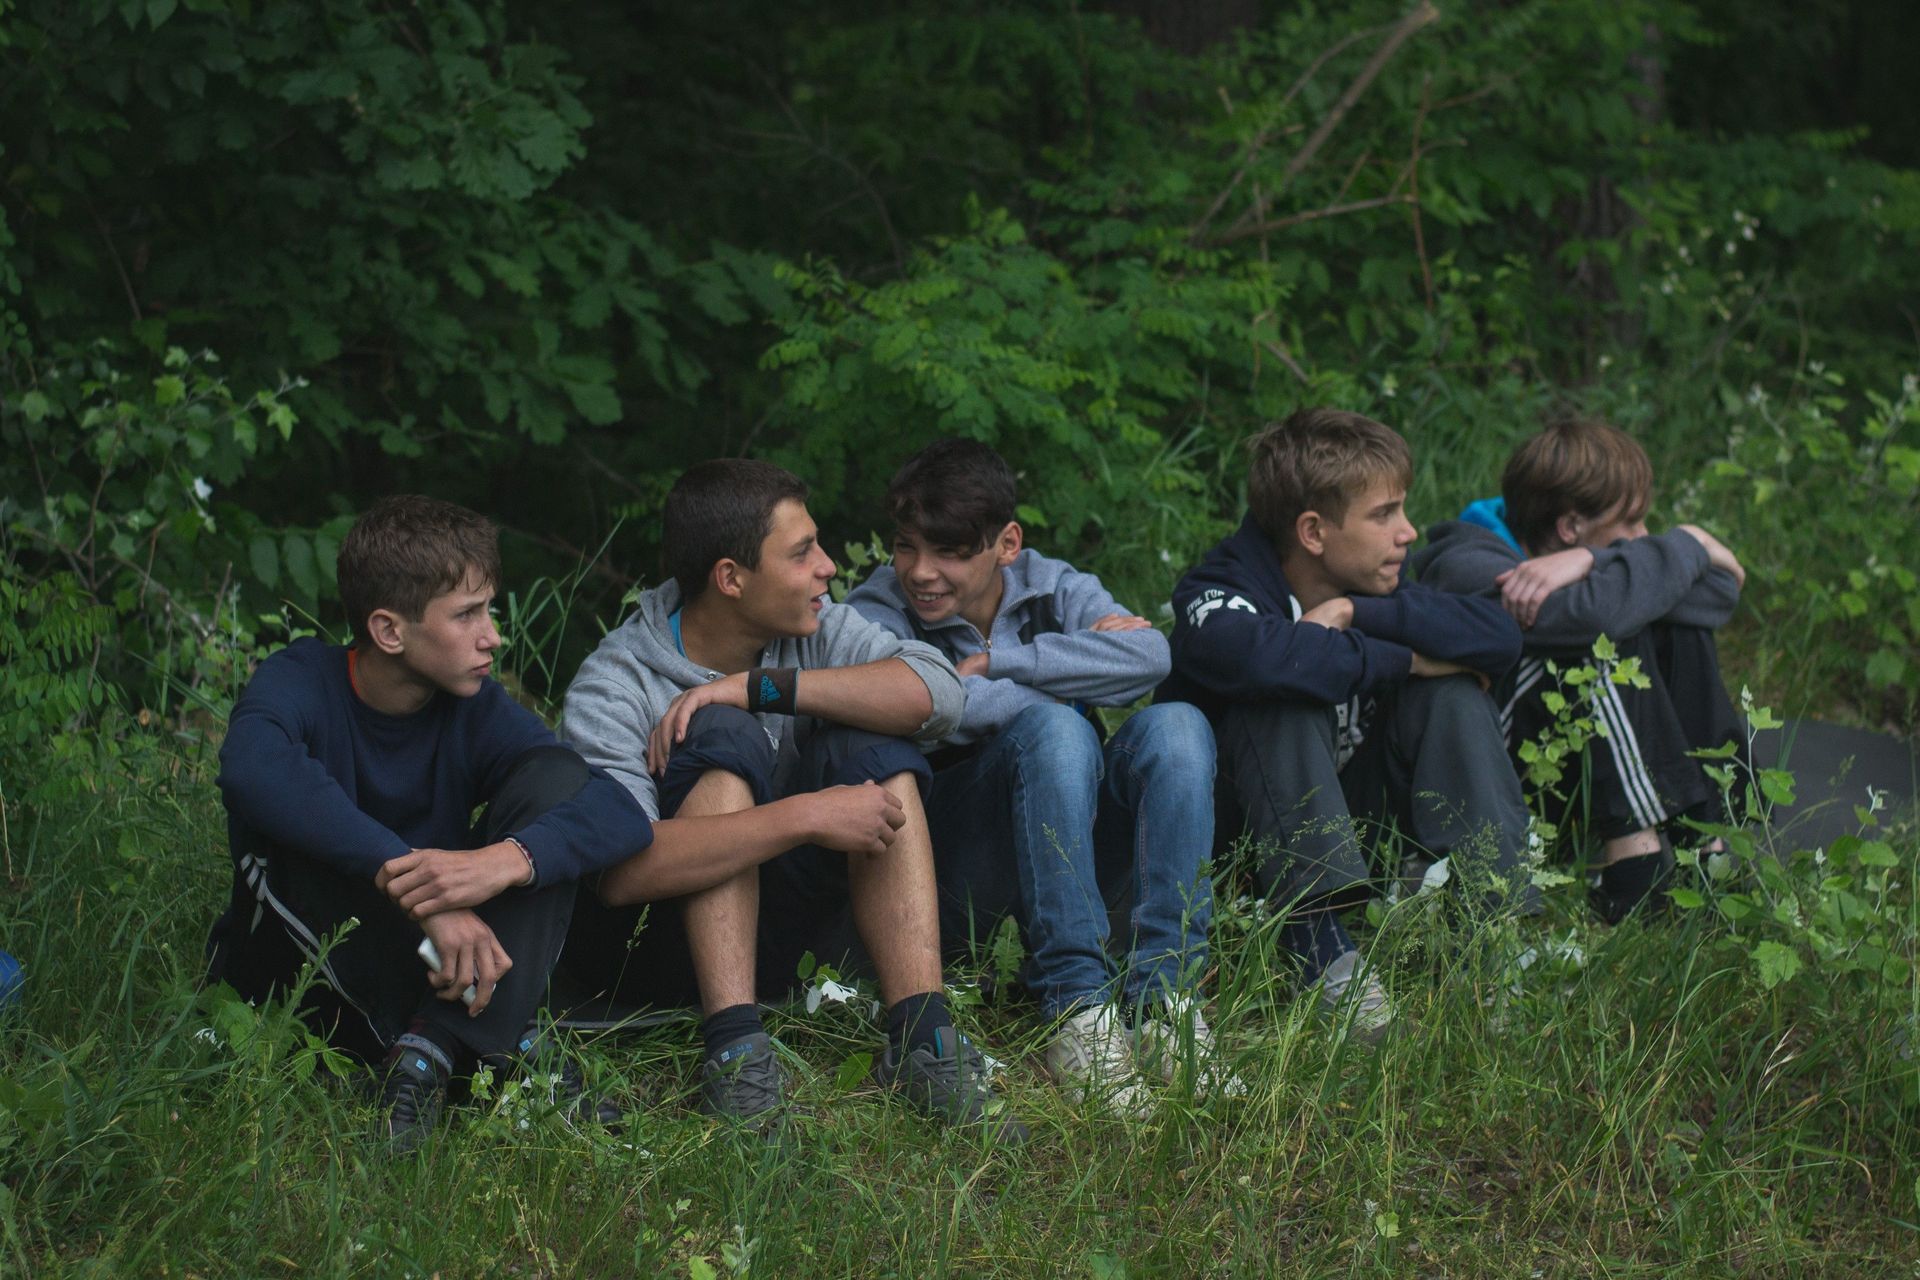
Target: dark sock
(1629,882)
(729,1026)
(1316,939)
(919,1020)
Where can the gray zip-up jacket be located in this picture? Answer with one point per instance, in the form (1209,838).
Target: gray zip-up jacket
(1043,650)
(626,685)
(1634,583)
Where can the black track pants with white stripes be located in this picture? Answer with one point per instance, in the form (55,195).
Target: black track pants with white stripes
(1640,774)
(372,983)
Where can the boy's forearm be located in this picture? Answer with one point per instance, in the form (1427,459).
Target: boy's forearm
(1104,667)
(694,853)
(881,697)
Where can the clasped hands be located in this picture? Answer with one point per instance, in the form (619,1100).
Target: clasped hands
(438,888)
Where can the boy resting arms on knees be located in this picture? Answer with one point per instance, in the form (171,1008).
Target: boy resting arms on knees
(1336,689)
(1566,551)
(350,776)
(766,732)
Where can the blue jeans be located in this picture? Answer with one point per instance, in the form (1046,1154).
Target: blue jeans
(1042,819)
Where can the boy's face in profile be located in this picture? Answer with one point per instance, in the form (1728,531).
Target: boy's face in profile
(943,582)
(784,595)
(451,646)
(1362,553)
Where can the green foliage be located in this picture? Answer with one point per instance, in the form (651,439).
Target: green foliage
(51,639)
(1808,920)
(542,267)
(1672,1094)
(1829,513)
(110,463)
(1558,747)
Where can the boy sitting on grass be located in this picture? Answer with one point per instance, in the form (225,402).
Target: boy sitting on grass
(351,776)
(1337,689)
(1032,812)
(1567,552)
(766,733)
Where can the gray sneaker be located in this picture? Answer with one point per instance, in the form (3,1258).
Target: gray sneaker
(1354,999)
(950,1085)
(1091,1060)
(555,1075)
(1176,1037)
(412,1095)
(745,1083)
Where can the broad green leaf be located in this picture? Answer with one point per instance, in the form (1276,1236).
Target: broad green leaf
(265,558)
(596,402)
(1775,963)
(853,1071)
(1877,853)
(296,553)
(1886,667)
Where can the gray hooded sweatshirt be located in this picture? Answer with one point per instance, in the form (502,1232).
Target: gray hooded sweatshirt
(626,685)
(1043,650)
(1634,583)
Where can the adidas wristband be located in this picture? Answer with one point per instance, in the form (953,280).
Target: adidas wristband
(770,690)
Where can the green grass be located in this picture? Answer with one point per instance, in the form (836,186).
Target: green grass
(1655,1111)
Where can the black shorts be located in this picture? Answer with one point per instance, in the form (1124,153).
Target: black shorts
(639,954)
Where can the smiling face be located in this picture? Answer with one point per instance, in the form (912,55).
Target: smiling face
(784,595)
(451,645)
(1363,552)
(942,582)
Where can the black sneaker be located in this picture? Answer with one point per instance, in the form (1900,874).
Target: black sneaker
(556,1074)
(745,1083)
(950,1085)
(412,1094)
(571,1098)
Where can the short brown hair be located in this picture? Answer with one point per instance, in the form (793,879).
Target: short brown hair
(721,510)
(954,493)
(1319,459)
(1578,467)
(407,549)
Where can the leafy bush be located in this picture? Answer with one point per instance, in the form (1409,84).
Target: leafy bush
(1827,521)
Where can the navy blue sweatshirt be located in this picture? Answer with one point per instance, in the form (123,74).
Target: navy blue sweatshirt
(1237,635)
(308,766)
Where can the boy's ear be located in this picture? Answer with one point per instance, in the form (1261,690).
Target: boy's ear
(1006,547)
(1309,531)
(728,578)
(1567,530)
(387,630)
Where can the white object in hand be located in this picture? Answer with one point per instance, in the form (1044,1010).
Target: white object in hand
(431,954)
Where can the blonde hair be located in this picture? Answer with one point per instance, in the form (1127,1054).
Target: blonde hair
(1319,459)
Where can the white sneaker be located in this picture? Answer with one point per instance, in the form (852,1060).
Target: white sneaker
(1354,999)
(1178,1035)
(1090,1060)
